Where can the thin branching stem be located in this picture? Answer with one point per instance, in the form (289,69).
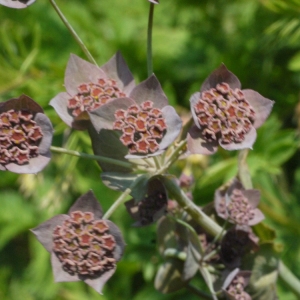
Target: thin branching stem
(93,157)
(149,40)
(73,33)
(289,278)
(117,203)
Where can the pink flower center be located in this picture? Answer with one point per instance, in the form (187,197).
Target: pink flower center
(20,137)
(142,126)
(93,95)
(83,245)
(238,209)
(224,114)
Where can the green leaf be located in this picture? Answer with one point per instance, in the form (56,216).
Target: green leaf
(119,181)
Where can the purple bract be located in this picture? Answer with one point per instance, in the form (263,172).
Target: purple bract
(25,136)
(82,245)
(225,115)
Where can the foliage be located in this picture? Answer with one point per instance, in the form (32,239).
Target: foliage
(190,39)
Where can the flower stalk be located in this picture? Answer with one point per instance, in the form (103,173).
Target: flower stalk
(73,32)
(149,40)
(191,208)
(117,203)
(93,157)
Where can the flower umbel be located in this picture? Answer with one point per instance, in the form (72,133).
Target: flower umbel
(90,87)
(82,245)
(146,123)
(93,95)
(237,205)
(235,284)
(142,126)
(25,136)
(225,115)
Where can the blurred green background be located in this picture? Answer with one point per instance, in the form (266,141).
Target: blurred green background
(257,40)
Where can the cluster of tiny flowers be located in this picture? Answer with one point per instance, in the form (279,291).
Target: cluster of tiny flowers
(19,137)
(83,245)
(91,96)
(238,209)
(142,126)
(224,114)
(236,289)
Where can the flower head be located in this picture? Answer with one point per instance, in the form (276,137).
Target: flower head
(237,205)
(225,115)
(235,284)
(16,3)
(90,87)
(82,245)
(25,136)
(146,123)
(152,207)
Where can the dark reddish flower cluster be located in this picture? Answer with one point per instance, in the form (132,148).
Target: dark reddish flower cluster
(235,284)
(19,137)
(92,95)
(142,126)
(25,136)
(84,245)
(148,124)
(237,205)
(90,87)
(225,115)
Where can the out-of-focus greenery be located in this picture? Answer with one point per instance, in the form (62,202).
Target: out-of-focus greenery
(258,41)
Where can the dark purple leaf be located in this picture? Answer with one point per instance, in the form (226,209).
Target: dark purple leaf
(44,231)
(88,203)
(218,76)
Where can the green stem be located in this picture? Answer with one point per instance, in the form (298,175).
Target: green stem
(177,152)
(149,40)
(243,170)
(93,157)
(172,158)
(191,208)
(289,278)
(186,127)
(156,161)
(73,32)
(197,292)
(117,203)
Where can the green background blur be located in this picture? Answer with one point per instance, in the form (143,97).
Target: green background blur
(257,40)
